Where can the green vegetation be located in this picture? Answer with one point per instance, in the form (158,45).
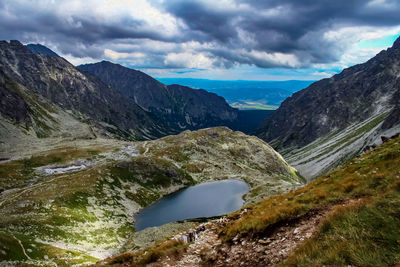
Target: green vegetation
(197,167)
(57,210)
(174,152)
(21,247)
(92,210)
(218,153)
(171,248)
(144,197)
(18,173)
(365,234)
(151,172)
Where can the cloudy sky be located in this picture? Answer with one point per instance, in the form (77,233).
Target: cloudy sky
(223,39)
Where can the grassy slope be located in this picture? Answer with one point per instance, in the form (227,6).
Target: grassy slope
(365,234)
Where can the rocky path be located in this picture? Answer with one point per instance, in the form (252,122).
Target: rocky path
(206,240)
(267,249)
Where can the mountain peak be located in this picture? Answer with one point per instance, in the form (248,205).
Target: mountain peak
(15,43)
(12,43)
(41,49)
(106,62)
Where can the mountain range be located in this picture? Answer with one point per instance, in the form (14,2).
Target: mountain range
(45,84)
(43,95)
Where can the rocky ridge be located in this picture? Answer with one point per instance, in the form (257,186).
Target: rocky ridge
(110,100)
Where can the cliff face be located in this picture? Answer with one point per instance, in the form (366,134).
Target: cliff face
(348,111)
(58,81)
(180,107)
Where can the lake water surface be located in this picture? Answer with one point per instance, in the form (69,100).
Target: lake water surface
(203,200)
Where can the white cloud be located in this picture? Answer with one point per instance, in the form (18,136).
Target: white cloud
(79,60)
(113,55)
(188,60)
(322,74)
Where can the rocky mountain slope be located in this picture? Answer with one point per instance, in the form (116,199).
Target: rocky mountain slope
(334,119)
(180,107)
(348,217)
(26,118)
(60,83)
(74,203)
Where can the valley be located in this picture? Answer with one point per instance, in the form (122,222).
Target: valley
(87,151)
(246,95)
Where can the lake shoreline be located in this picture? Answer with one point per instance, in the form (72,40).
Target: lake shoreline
(224,196)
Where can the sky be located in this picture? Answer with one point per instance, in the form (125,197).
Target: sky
(222,40)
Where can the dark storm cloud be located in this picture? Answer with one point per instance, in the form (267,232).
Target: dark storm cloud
(286,26)
(237,33)
(200,18)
